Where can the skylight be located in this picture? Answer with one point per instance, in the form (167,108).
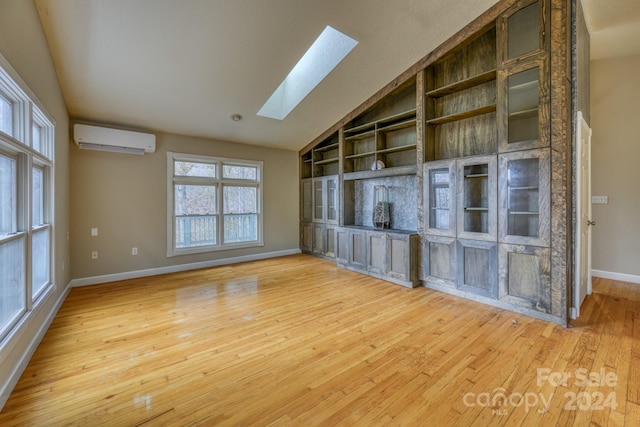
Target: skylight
(323,56)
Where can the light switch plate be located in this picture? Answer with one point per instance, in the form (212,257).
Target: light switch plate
(94,231)
(599,200)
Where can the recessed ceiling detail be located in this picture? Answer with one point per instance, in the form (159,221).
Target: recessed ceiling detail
(329,49)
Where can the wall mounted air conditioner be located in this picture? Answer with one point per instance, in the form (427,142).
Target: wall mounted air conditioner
(116,140)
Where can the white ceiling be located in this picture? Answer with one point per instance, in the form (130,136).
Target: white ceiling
(615,27)
(186,66)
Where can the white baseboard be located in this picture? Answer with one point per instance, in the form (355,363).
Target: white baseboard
(176,268)
(616,276)
(7,387)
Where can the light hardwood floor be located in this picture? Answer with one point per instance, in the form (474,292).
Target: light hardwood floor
(297,341)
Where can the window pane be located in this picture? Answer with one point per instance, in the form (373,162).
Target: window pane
(239,172)
(7,195)
(40,262)
(195,231)
(38,198)
(195,200)
(6,115)
(35,138)
(207,170)
(240,228)
(238,200)
(11,281)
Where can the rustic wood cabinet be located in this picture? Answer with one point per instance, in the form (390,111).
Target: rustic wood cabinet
(387,255)
(474,145)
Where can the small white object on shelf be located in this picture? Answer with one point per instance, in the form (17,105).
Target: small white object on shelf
(377,165)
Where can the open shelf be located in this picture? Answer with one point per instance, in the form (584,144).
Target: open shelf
(366,174)
(463,115)
(359,155)
(363,135)
(333,146)
(463,84)
(326,161)
(398,149)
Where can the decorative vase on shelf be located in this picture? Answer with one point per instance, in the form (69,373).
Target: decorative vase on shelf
(381,218)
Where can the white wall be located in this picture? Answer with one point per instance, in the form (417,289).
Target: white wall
(615,120)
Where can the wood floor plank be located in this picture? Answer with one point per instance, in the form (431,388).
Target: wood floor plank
(297,341)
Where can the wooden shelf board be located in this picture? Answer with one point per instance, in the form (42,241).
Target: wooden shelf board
(398,126)
(363,135)
(523,213)
(371,127)
(397,149)
(326,147)
(359,155)
(307,160)
(524,188)
(524,113)
(463,84)
(464,115)
(440,209)
(531,84)
(397,171)
(326,161)
(394,118)
(477,175)
(477,209)
(362,128)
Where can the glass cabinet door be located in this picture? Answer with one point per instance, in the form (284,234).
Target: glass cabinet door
(524,107)
(318,199)
(332,199)
(477,198)
(439,198)
(307,200)
(524,197)
(523,31)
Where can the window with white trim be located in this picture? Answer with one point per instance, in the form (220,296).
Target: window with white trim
(213,203)
(26,201)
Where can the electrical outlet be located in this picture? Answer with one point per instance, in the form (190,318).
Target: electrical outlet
(134,251)
(94,255)
(600,200)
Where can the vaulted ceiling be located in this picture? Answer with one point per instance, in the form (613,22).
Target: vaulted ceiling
(186,66)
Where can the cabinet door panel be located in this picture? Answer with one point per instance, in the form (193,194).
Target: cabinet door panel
(319,231)
(358,249)
(440,198)
(524,189)
(318,200)
(376,252)
(477,198)
(307,200)
(332,194)
(523,106)
(330,242)
(306,237)
(525,276)
(478,267)
(342,246)
(439,256)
